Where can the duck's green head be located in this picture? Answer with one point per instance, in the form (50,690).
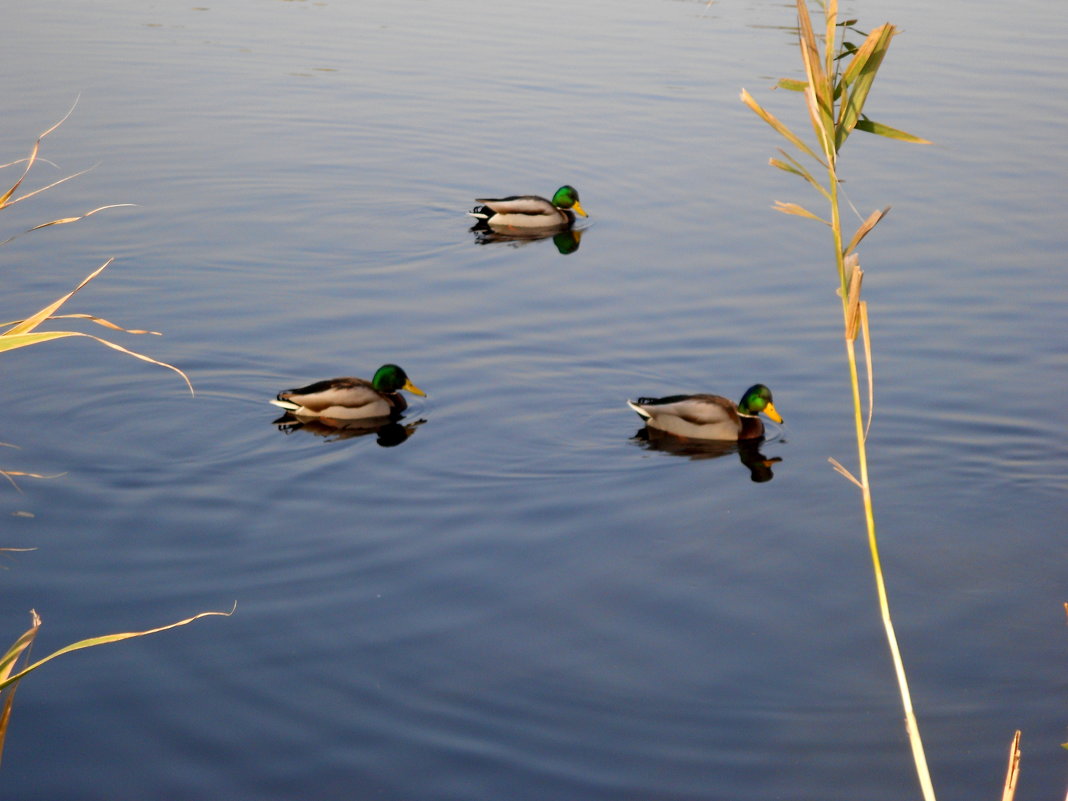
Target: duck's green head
(757,399)
(391,378)
(567,198)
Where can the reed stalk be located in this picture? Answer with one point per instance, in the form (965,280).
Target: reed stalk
(834,98)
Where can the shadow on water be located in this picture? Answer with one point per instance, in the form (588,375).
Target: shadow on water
(748,451)
(388,431)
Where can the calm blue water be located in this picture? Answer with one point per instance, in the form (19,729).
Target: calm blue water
(522,601)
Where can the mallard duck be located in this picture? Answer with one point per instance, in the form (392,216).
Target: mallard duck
(530,211)
(351,398)
(710,417)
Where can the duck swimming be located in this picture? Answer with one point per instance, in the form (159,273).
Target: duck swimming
(350,398)
(710,417)
(530,211)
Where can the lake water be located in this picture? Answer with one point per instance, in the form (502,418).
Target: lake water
(522,600)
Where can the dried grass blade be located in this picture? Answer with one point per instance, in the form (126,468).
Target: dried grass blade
(35,320)
(800,211)
(868,364)
(818,94)
(865,229)
(797,168)
(831,12)
(821,125)
(842,471)
(21,646)
(107,638)
(62,220)
(33,157)
(10,341)
(28,195)
(29,163)
(809,50)
(8,660)
(28,475)
(1008,792)
(771,120)
(106,323)
(852,313)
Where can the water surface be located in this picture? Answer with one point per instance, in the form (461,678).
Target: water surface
(522,600)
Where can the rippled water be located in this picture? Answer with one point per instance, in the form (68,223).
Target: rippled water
(523,600)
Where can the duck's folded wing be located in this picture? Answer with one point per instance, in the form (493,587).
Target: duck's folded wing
(696,409)
(518,204)
(347,392)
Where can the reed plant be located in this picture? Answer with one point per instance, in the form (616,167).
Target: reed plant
(23,333)
(15,662)
(838,80)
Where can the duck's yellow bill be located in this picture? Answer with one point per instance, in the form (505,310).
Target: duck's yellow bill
(577,208)
(410,387)
(770,411)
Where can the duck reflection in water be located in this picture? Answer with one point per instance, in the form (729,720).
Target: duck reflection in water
(566,242)
(388,431)
(748,450)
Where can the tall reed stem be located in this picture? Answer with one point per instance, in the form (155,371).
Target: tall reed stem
(835,101)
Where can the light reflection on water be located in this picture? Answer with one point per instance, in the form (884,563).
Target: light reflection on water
(521,599)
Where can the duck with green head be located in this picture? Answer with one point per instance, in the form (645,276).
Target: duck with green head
(351,398)
(530,211)
(710,417)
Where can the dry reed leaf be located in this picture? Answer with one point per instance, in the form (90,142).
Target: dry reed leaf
(10,341)
(35,320)
(839,469)
(821,125)
(93,319)
(6,680)
(797,168)
(865,228)
(62,220)
(810,55)
(30,161)
(818,94)
(10,474)
(831,18)
(7,664)
(771,120)
(28,195)
(868,364)
(1012,773)
(800,211)
(853,284)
